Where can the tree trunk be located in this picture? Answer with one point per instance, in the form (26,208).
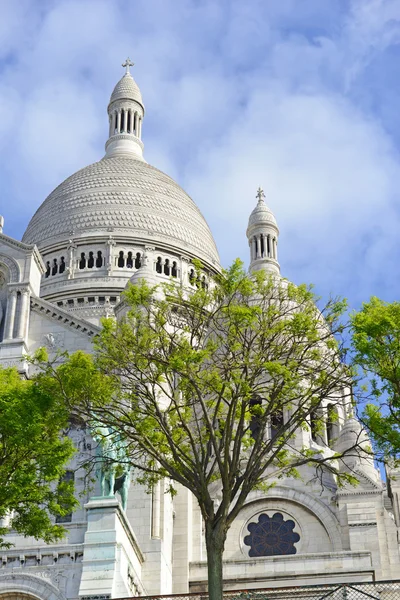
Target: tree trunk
(215,542)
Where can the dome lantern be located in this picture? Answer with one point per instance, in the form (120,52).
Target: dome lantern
(262,233)
(125,114)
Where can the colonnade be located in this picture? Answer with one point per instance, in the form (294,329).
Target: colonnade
(126,120)
(264,246)
(15,326)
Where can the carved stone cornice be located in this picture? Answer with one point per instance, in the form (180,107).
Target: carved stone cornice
(62,317)
(360,493)
(125,136)
(17,244)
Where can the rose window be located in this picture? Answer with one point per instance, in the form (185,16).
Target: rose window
(271,536)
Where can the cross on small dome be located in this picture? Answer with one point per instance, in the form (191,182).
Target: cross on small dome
(260,194)
(128,63)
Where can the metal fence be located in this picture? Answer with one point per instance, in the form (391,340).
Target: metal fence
(381,590)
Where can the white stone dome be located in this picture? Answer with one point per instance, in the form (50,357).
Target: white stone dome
(261,215)
(127,89)
(124,196)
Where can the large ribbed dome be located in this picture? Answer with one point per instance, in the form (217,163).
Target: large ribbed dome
(124,196)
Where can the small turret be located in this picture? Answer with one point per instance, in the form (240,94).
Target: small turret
(262,233)
(360,459)
(125,113)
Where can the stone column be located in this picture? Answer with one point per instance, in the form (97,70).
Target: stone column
(71,266)
(156,510)
(110,243)
(10,315)
(184,269)
(275,249)
(119,122)
(23,314)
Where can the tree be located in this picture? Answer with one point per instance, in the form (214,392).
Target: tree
(33,457)
(376,343)
(210,388)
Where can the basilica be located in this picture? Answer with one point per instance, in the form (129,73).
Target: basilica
(111,223)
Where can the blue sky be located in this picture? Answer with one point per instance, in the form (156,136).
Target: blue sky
(298,96)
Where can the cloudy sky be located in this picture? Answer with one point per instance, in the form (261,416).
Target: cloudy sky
(301,97)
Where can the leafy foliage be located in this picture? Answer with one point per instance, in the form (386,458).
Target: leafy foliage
(376,341)
(33,455)
(196,382)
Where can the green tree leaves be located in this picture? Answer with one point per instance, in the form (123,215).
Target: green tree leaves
(33,455)
(213,387)
(376,341)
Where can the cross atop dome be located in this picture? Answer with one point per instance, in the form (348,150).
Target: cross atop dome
(260,194)
(128,63)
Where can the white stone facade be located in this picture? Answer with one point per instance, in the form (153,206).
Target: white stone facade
(86,241)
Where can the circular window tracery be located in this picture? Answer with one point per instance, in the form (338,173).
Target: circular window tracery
(271,536)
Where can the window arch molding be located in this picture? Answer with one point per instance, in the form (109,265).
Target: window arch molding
(12,267)
(27,587)
(254,505)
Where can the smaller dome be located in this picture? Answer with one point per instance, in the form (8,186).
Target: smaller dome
(145,273)
(351,434)
(127,89)
(262,215)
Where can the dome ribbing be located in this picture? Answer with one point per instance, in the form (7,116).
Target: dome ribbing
(125,196)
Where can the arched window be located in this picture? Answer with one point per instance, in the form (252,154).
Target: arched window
(331,421)
(122,120)
(255,425)
(62,265)
(174,270)
(116,122)
(314,425)
(204,282)
(99,259)
(128,128)
(90,262)
(82,262)
(159,265)
(166,267)
(276,422)
(192,277)
(129,261)
(121,259)
(48,269)
(138,261)
(54,270)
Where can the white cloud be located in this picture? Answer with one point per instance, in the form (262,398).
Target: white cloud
(237,95)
